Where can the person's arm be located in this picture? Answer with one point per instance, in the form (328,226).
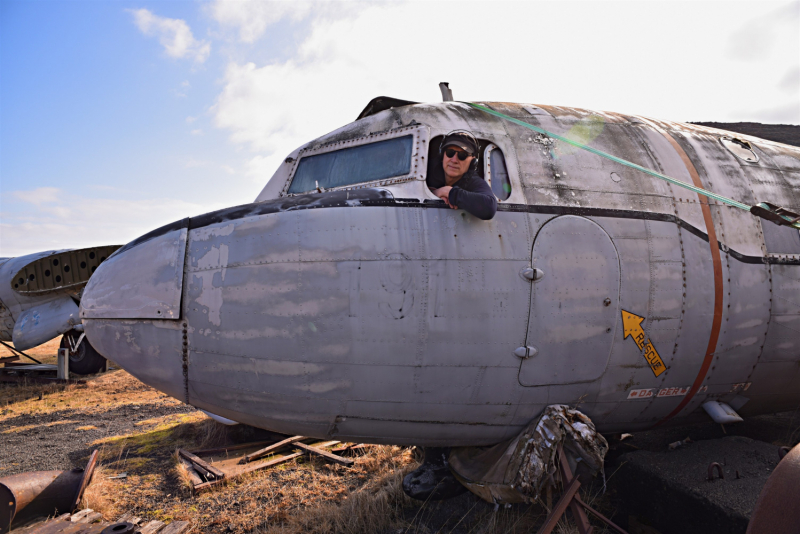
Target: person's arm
(476,198)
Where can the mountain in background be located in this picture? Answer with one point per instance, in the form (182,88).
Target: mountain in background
(787,134)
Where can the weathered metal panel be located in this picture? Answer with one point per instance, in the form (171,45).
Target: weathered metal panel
(575,307)
(43,322)
(149,350)
(151,290)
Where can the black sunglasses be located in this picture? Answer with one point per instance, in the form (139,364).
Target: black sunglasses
(462,154)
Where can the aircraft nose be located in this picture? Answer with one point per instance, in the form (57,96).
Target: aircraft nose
(130,308)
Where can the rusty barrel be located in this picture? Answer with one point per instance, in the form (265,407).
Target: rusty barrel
(777,510)
(39,493)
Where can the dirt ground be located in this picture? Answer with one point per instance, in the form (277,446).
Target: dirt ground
(137,430)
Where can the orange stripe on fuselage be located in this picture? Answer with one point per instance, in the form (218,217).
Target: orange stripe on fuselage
(718,289)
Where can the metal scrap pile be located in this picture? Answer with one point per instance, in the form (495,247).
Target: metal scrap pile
(518,470)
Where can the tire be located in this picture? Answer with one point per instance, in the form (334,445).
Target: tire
(86,360)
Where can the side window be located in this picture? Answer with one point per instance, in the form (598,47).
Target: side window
(354,165)
(495,172)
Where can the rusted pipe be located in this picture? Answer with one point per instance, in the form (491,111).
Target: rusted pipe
(711,467)
(27,495)
(42,493)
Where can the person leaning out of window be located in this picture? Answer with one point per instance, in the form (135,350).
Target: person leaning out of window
(460,186)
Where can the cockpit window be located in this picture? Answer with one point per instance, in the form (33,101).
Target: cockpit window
(354,165)
(496,172)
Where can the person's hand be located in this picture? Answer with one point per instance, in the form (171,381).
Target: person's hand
(444,194)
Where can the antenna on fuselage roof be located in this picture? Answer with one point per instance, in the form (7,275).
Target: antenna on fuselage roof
(447,94)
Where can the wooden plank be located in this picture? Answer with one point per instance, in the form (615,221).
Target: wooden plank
(87,476)
(152,527)
(91,518)
(268,450)
(201,463)
(77,517)
(176,527)
(240,446)
(270,463)
(325,454)
(129,518)
(9,359)
(249,469)
(193,476)
(63,517)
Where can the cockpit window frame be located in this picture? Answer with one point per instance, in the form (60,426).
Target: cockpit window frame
(487,169)
(419,144)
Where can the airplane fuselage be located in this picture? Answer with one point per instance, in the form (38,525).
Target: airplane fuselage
(372,312)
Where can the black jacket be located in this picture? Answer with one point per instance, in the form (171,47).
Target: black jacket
(471,193)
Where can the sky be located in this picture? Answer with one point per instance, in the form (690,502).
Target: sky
(117,117)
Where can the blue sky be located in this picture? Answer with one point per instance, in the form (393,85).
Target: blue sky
(120,116)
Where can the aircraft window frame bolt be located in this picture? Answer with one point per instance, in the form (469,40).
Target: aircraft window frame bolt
(607,302)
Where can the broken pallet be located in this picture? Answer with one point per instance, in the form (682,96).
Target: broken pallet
(218,465)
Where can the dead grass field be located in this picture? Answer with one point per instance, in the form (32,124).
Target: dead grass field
(137,429)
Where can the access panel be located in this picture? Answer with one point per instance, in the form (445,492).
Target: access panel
(574,306)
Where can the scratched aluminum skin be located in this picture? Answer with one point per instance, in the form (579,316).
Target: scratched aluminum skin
(375,316)
(29,320)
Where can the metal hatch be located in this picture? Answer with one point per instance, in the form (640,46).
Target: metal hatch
(739,148)
(574,305)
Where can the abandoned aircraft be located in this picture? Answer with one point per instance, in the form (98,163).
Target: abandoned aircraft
(347,301)
(39,297)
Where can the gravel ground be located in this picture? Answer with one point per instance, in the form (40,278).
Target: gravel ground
(63,439)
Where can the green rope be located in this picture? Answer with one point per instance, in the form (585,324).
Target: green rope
(767,211)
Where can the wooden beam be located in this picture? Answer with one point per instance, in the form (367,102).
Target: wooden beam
(268,450)
(176,527)
(201,463)
(325,454)
(152,527)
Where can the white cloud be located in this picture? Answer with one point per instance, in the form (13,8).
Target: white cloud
(197,132)
(190,120)
(251,18)
(61,219)
(390,49)
(39,196)
(173,34)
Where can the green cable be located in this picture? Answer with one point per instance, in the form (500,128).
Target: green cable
(621,161)
(776,214)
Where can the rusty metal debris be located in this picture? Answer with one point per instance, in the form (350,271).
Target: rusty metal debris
(41,493)
(776,511)
(570,498)
(33,373)
(518,470)
(210,467)
(711,467)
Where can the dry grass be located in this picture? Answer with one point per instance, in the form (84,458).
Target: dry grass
(307,495)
